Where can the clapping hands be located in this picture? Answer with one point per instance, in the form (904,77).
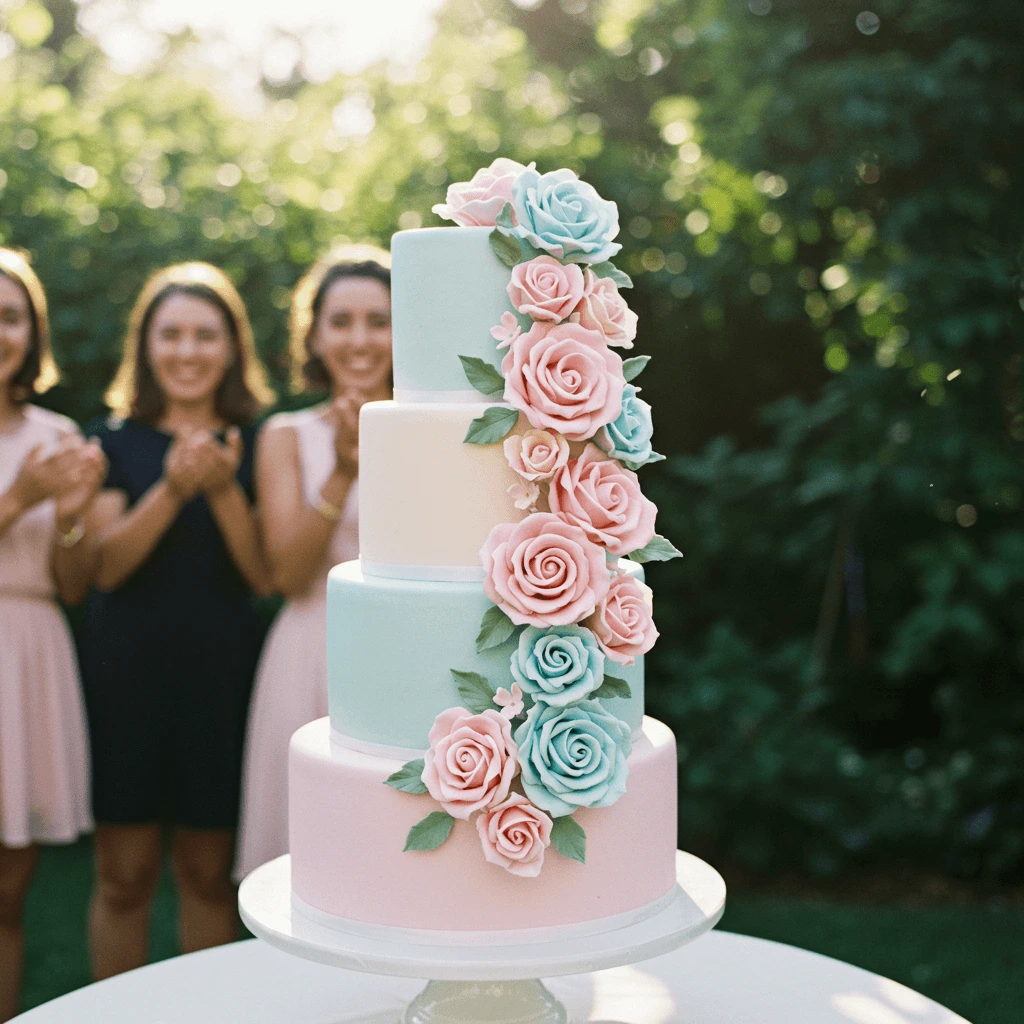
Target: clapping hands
(71,475)
(344,415)
(198,462)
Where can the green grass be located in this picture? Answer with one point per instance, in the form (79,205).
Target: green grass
(969,958)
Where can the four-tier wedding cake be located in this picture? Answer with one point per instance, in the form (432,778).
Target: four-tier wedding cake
(486,766)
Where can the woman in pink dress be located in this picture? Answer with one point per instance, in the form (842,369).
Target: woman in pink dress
(48,477)
(306,488)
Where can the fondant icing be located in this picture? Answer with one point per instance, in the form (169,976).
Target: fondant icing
(448,291)
(426,499)
(346,862)
(391,645)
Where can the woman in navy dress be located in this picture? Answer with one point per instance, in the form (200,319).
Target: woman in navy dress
(171,639)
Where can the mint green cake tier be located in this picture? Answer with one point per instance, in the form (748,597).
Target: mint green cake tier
(391,645)
(448,291)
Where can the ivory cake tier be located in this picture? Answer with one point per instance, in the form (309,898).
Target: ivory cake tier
(391,646)
(427,501)
(345,828)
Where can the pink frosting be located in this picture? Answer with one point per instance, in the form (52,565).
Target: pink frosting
(602,308)
(514,836)
(479,201)
(471,761)
(545,289)
(623,622)
(544,571)
(564,378)
(604,498)
(537,454)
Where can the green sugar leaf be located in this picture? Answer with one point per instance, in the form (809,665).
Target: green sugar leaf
(495,628)
(631,368)
(504,219)
(505,247)
(492,426)
(608,269)
(429,833)
(408,778)
(613,687)
(569,839)
(482,376)
(477,694)
(660,549)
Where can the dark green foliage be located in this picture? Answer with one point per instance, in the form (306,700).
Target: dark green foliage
(824,230)
(841,650)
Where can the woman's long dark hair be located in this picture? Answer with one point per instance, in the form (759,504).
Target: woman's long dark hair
(242,393)
(308,370)
(38,371)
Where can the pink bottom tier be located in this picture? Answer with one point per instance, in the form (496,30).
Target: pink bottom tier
(347,830)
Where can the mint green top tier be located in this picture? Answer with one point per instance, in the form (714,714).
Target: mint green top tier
(447,292)
(391,646)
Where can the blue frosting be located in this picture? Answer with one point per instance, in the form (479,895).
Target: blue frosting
(628,439)
(573,756)
(564,216)
(447,292)
(558,665)
(391,646)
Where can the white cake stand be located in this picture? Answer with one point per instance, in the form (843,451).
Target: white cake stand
(476,984)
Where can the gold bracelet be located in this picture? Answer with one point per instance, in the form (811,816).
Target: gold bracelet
(72,537)
(330,512)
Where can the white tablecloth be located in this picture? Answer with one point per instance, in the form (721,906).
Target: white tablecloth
(719,979)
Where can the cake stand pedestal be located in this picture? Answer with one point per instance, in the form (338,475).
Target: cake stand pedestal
(481,984)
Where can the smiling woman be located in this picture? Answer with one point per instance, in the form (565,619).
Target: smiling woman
(306,466)
(170,638)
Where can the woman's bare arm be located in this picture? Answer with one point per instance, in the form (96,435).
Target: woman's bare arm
(295,535)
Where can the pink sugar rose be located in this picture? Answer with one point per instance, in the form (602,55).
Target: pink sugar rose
(471,761)
(543,571)
(479,201)
(603,309)
(623,622)
(537,454)
(514,836)
(544,289)
(601,496)
(564,378)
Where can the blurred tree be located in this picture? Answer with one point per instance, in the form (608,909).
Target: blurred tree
(829,193)
(819,212)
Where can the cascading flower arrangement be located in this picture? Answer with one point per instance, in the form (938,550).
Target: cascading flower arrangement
(522,758)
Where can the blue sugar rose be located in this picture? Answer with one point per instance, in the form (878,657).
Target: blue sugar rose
(558,665)
(558,213)
(628,438)
(573,757)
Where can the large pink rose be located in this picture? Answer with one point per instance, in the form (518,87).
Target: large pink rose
(623,622)
(564,378)
(479,201)
(544,571)
(537,454)
(544,289)
(601,496)
(514,836)
(471,761)
(603,309)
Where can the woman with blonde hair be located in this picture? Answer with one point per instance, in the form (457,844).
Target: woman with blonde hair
(170,639)
(48,477)
(306,466)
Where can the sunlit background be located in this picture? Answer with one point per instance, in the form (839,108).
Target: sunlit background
(822,213)
(244,40)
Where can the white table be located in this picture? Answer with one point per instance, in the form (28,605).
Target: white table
(719,979)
